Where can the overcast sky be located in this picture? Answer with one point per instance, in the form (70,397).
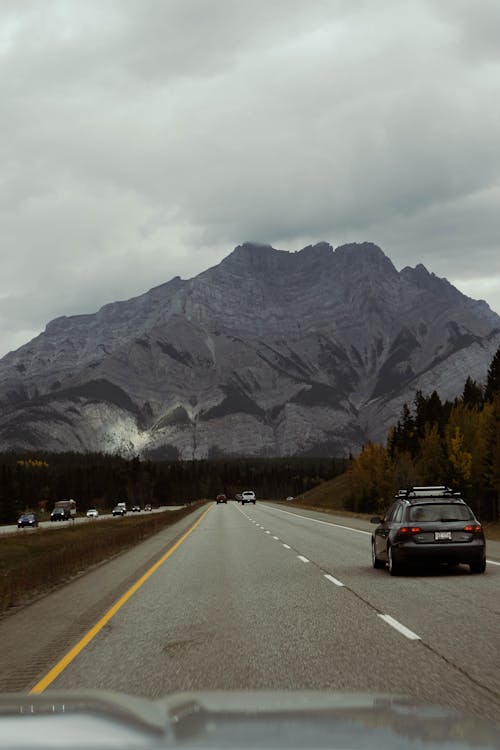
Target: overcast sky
(143,139)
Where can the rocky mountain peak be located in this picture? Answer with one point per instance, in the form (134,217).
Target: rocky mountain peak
(420,277)
(269,352)
(321,250)
(251,258)
(365,260)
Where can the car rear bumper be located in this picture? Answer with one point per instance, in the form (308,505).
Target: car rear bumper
(466,552)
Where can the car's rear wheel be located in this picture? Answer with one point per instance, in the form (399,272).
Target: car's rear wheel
(376,561)
(478,566)
(393,565)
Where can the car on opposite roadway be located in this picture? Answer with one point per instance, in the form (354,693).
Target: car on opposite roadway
(148,506)
(136,508)
(118,510)
(60,514)
(92,513)
(221,499)
(428,525)
(27,519)
(248,497)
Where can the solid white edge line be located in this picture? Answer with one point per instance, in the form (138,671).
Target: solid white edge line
(301,557)
(339,526)
(333,580)
(286,546)
(316,520)
(400,628)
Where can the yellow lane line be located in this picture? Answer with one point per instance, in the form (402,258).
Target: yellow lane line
(68,658)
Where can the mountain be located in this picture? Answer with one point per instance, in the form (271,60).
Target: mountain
(268,353)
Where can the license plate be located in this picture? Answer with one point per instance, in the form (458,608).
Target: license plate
(440,535)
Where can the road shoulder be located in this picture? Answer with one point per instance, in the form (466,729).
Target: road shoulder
(35,636)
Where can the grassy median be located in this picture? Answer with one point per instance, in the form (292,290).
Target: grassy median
(33,562)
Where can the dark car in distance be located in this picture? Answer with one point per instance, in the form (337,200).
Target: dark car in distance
(118,510)
(428,525)
(60,514)
(221,498)
(27,519)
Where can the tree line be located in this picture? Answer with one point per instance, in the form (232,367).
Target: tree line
(456,443)
(101,480)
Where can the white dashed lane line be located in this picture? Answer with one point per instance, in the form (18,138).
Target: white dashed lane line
(325,523)
(333,580)
(386,618)
(400,628)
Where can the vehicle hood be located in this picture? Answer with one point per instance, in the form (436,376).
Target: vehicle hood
(262,719)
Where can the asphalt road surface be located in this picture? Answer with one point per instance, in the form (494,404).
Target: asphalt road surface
(268,597)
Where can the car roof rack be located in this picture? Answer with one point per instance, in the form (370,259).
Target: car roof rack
(431,491)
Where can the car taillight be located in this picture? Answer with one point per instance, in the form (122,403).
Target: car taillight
(474,528)
(405,531)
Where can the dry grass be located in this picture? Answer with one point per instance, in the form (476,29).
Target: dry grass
(332,495)
(34,562)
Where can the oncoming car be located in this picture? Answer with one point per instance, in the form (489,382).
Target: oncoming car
(27,519)
(428,525)
(60,514)
(92,513)
(118,510)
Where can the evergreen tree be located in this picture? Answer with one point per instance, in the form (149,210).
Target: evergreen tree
(428,411)
(493,378)
(492,457)
(472,395)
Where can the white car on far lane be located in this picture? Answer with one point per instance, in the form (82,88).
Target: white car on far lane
(92,513)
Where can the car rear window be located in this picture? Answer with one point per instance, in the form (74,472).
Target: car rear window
(439,512)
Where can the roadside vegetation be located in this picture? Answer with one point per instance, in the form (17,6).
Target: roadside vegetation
(33,562)
(94,480)
(452,443)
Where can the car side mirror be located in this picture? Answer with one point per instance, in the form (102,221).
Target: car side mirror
(376,519)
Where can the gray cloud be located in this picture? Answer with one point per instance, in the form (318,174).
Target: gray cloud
(141,140)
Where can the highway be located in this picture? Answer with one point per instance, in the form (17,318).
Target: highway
(265,597)
(12,528)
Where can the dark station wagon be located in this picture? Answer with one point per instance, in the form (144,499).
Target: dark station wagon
(428,525)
